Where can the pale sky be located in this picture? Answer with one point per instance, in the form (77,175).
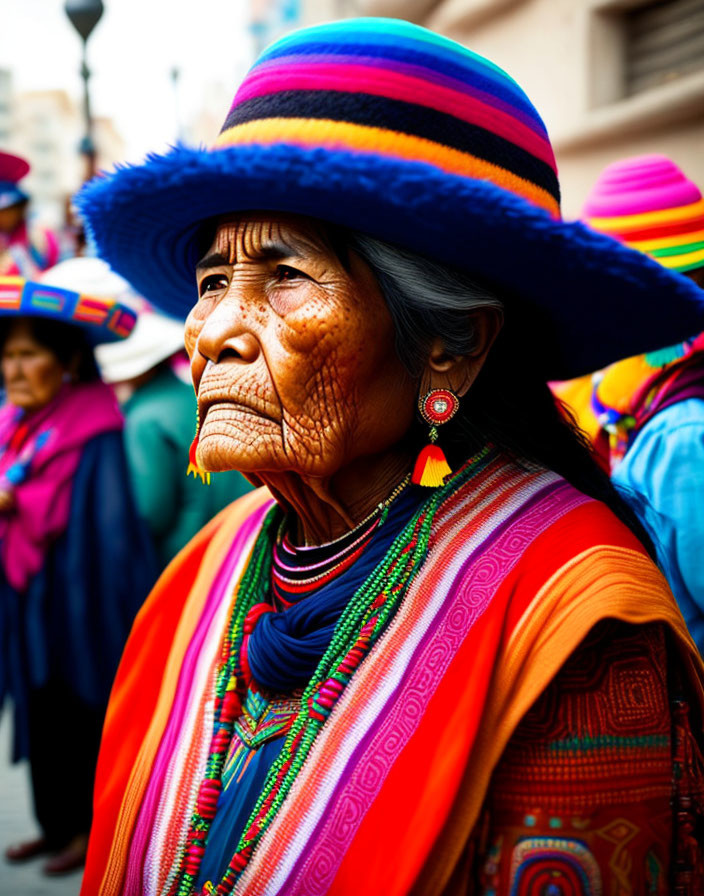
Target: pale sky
(131,53)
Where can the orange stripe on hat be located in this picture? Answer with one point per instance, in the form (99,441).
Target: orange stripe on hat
(362,138)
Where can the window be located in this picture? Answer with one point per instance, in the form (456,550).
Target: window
(662,41)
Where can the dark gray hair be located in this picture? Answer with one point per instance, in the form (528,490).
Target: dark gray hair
(515,413)
(426,300)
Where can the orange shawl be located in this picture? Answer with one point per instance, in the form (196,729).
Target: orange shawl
(556,563)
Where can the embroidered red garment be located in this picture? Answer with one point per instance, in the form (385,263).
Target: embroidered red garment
(581,801)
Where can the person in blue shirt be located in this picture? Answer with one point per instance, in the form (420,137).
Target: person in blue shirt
(650,408)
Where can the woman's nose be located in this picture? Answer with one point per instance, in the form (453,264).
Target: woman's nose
(226,333)
(11,369)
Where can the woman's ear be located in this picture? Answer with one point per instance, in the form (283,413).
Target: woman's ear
(457,372)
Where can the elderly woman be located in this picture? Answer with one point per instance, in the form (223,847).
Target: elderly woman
(433,655)
(74,562)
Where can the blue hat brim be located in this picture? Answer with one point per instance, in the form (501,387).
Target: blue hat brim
(95,336)
(591,300)
(10,194)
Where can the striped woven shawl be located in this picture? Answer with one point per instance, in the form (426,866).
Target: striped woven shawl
(521,566)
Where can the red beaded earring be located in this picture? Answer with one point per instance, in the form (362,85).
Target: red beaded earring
(193,465)
(436,407)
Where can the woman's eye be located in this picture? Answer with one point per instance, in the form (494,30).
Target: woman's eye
(285,273)
(212,283)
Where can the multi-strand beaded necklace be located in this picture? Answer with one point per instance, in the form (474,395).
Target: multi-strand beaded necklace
(299,571)
(363,621)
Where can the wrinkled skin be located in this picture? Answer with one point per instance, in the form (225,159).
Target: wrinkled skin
(298,383)
(32,373)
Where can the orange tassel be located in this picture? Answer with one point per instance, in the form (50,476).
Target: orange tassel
(193,465)
(431,467)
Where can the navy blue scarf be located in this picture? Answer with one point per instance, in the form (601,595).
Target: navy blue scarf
(286,646)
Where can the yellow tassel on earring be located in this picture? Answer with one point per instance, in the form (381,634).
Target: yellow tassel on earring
(193,465)
(431,467)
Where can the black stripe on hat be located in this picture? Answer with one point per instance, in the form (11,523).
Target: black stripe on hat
(400,117)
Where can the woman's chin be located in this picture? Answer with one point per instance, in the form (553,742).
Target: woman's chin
(25,402)
(219,453)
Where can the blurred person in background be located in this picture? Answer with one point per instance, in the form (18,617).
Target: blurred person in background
(645,414)
(25,250)
(75,561)
(160,412)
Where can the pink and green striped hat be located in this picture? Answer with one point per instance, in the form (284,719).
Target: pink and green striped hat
(381,126)
(649,204)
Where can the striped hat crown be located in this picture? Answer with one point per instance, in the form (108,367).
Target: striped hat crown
(398,91)
(381,127)
(649,204)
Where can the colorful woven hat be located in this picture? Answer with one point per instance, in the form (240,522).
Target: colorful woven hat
(104,320)
(384,127)
(154,336)
(649,204)
(12,169)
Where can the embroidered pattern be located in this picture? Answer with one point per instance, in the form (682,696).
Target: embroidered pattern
(263,719)
(554,866)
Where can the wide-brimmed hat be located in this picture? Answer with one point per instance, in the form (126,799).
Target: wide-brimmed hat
(384,127)
(12,169)
(154,337)
(648,203)
(102,318)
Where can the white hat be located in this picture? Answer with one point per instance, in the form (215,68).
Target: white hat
(155,336)
(93,277)
(154,339)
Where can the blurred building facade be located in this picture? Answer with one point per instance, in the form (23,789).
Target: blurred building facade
(5,107)
(46,126)
(269,19)
(611,78)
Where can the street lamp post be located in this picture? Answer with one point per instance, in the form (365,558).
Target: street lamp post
(84,16)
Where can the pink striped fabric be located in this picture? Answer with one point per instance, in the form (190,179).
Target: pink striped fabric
(188,711)
(482,539)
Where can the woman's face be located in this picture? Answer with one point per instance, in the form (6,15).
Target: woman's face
(292,353)
(32,373)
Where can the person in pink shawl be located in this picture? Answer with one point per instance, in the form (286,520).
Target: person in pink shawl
(68,524)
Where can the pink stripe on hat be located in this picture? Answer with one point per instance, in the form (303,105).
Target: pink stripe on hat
(638,185)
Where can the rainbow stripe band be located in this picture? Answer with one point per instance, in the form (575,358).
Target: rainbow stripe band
(673,236)
(480,88)
(10,293)
(104,319)
(338,135)
(435,103)
(648,204)
(688,261)
(439,103)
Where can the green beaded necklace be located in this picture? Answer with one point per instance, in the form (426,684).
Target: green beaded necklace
(362,622)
